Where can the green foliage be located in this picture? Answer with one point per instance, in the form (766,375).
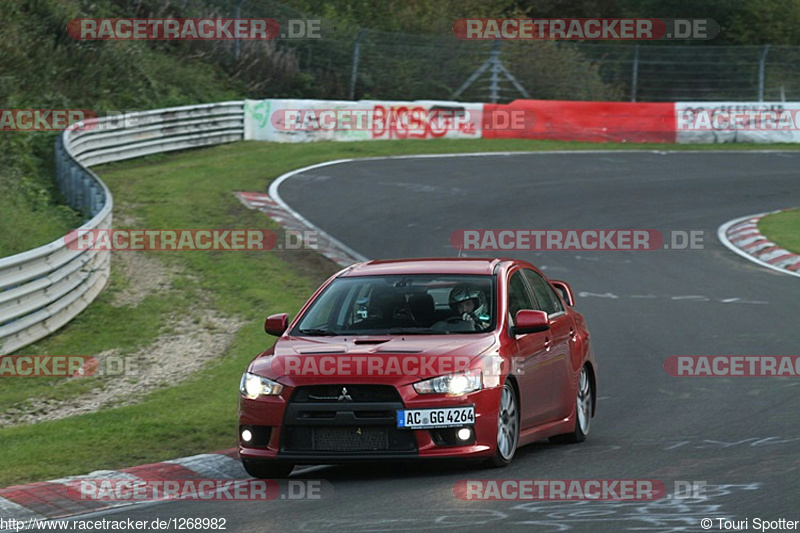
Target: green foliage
(408,16)
(747,22)
(42,67)
(558,71)
(765,22)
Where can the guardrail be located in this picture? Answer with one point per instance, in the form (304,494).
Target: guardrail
(44,288)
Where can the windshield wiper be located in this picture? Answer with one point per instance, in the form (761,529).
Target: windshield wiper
(318,332)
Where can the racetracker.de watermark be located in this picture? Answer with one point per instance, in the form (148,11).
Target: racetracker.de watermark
(560,489)
(66,366)
(384,365)
(585,29)
(415,121)
(47,119)
(733,119)
(131,490)
(733,365)
(194,29)
(582,239)
(189,239)
(47,366)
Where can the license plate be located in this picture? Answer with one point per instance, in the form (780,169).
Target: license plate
(446,417)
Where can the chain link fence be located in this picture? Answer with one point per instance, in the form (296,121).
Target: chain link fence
(359,63)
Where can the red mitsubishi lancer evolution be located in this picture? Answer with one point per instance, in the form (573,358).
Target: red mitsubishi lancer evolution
(425,358)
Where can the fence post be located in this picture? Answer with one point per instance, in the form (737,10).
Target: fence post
(494,88)
(238,15)
(761,64)
(635,73)
(354,70)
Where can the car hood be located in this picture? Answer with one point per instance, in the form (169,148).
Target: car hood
(396,360)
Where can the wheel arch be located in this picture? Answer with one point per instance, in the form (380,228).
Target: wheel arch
(514,385)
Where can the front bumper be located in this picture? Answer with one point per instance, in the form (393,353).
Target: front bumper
(301,428)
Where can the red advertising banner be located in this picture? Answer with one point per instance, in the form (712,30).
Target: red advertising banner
(583,121)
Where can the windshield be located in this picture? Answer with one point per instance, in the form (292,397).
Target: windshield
(417,304)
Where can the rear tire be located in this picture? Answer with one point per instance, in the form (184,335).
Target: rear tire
(507,428)
(267,469)
(584,405)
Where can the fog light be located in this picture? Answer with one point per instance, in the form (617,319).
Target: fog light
(464,434)
(247,436)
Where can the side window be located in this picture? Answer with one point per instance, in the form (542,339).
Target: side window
(518,297)
(548,301)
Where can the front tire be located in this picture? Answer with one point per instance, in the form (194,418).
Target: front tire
(267,469)
(584,404)
(507,428)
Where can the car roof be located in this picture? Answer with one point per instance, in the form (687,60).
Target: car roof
(477,266)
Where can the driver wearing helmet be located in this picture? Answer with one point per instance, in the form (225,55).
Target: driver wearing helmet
(469,303)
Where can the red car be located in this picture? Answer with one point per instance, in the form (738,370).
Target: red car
(424,358)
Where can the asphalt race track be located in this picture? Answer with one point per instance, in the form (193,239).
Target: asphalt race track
(738,435)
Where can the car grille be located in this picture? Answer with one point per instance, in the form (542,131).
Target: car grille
(317,421)
(342,439)
(337,439)
(347,393)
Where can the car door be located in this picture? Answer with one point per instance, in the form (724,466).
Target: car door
(531,352)
(560,339)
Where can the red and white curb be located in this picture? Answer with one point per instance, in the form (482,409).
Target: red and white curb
(743,238)
(326,245)
(50,499)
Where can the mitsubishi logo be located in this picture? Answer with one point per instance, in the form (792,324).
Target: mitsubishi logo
(344,397)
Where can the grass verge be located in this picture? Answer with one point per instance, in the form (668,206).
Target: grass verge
(193,190)
(783,229)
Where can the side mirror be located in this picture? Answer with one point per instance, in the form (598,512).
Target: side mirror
(565,290)
(276,324)
(530,321)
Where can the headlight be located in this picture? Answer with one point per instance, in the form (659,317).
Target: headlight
(253,386)
(455,384)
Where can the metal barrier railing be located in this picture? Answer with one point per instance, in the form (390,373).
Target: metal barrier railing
(43,289)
